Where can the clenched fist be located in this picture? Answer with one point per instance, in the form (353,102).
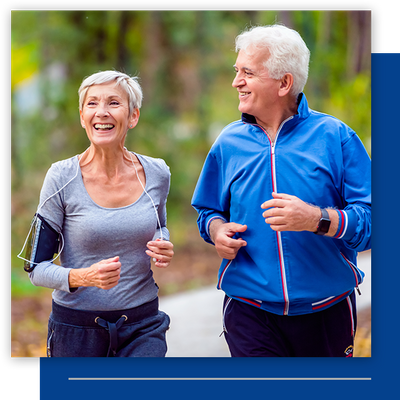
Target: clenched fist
(104,274)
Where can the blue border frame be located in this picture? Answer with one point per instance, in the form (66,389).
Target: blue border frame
(356,377)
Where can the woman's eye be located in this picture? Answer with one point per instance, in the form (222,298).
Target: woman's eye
(114,103)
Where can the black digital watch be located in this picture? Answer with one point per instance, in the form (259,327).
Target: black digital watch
(324,223)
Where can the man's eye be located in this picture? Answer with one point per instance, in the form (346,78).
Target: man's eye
(114,103)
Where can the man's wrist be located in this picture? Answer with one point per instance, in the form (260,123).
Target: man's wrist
(315,218)
(213,226)
(334,221)
(333,216)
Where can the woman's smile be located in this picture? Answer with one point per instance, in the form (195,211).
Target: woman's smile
(103,127)
(106,110)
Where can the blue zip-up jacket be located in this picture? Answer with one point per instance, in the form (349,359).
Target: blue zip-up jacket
(320,160)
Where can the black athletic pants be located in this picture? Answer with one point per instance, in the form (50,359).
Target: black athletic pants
(252,332)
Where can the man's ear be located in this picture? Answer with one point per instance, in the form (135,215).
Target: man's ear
(286,84)
(134,119)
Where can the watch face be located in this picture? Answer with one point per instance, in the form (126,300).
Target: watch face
(324,225)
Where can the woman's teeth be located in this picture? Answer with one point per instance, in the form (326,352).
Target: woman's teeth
(103,126)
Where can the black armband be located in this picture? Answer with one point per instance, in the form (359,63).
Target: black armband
(43,243)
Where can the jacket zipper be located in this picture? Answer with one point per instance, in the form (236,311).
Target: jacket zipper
(278,234)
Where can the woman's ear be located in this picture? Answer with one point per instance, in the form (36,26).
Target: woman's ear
(134,119)
(82,123)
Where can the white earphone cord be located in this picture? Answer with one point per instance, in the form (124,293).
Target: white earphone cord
(59,190)
(37,212)
(144,189)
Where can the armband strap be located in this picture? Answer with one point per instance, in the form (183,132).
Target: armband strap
(43,243)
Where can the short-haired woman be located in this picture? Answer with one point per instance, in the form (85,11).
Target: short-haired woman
(105,210)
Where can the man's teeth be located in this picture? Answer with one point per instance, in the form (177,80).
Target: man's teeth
(243,93)
(103,126)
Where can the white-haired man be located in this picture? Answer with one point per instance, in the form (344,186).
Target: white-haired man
(284,195)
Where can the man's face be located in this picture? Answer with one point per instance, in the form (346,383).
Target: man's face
(258,92)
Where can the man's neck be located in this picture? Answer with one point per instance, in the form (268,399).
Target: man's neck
(271,125)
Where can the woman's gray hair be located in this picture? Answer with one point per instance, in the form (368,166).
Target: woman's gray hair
(287,52)
(126,82)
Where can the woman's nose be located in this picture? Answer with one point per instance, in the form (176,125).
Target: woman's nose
(102,111)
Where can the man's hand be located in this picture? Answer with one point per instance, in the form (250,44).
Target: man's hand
(222,233)
(289,213)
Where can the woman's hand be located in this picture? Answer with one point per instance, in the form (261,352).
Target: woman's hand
(161,251)
(105,274)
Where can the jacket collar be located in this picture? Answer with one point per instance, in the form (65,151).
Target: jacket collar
(302,111)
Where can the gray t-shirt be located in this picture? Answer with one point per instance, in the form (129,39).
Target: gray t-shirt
(92,233)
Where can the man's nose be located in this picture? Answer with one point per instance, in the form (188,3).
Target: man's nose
(237,81)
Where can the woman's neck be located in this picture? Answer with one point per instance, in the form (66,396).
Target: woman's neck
(110,163)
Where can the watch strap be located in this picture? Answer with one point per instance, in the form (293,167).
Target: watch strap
(324,223)
(325,213)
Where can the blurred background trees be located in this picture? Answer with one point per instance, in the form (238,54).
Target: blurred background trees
(184,61)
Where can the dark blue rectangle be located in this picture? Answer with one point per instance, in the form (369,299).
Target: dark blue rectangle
(356,377)
(62,374)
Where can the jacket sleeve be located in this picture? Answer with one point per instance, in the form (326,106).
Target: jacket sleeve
(355,218)
(211,198)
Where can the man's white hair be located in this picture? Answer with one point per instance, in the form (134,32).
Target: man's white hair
(287,52)
(126,82)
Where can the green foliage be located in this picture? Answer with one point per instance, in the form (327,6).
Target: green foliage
(184,61)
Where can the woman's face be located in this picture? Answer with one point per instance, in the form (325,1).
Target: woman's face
(105,114)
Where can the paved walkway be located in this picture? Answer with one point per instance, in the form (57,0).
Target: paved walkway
(196,318)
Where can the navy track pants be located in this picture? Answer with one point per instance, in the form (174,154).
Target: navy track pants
(252,332)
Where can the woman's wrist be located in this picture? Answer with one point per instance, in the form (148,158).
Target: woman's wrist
(76,278)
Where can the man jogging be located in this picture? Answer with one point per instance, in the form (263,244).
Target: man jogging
(285,197)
